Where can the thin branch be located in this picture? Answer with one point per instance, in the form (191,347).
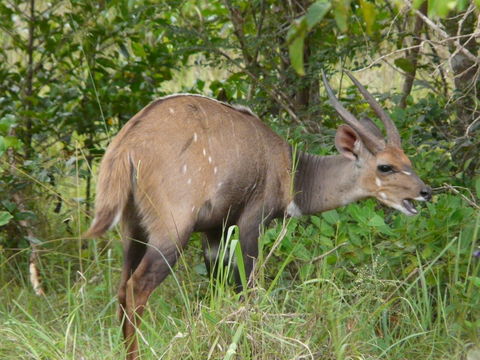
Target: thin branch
(276,94)
(455,191)
(445,36)
(324,255)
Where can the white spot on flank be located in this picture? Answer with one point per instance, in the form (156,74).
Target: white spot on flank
(407,172)
(204,152)
(193,208)
(184,168)
(209,159)
(383,195)
(219,185)
(215,170)
(189,181)
(195,137)
(293,210)
(378,182)
(171,111)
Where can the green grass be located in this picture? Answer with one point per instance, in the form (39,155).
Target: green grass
(360,302)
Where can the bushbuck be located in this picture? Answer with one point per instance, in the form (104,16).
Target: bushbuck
(189,163)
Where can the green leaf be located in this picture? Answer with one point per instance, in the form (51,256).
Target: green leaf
(299,30)
(331,216)
(417,3)
(369,14)
(316,12)
(341,12)
(5,217)
(9,205)
(404,64)
(475,280)
(376,221)
(441,8)
(477,186)
(316,221)
(12,142)
(3,147)
(6,123)
(138,49)
(295,50)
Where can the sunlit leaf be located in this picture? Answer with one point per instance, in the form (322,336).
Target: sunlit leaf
(296,55)
(341,12)
(441,8)
(417,3)
(138,49)
(316,12)
(404,64)
(5,217)
(369,14)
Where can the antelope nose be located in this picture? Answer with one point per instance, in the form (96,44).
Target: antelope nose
(426,192)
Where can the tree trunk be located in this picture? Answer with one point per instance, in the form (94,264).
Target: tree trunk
(412,57)
(465,70)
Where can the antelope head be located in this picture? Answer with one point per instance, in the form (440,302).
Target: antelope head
(386,172)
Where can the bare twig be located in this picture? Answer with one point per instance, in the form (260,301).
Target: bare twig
(324,255)
(455,191)
(447,37)
(275,93)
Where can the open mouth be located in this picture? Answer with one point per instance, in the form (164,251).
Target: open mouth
(408,207)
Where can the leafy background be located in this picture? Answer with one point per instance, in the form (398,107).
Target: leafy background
(360,282)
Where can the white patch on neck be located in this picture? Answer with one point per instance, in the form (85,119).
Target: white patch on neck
(293,210)
(378,182)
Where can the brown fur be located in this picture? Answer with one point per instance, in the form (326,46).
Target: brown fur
(189,163)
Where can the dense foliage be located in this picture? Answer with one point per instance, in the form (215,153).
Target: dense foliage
(361,282)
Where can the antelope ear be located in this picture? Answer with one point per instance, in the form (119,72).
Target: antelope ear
(347,142)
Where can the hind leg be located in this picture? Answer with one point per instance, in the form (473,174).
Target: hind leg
(134,250)
(134,239)
(160,256)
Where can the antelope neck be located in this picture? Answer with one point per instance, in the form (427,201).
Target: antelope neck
(326,182)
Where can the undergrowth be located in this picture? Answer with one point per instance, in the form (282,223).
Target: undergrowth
(348,284)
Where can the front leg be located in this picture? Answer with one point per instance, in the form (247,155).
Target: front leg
(249,225)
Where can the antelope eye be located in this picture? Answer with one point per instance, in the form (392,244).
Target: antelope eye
(385,168)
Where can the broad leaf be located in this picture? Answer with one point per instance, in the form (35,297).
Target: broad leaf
(369,14)
(295,50)
(404,64)
(316,12)
(341,10)
(5,217)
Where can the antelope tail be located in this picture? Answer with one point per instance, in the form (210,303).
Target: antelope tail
(113,189)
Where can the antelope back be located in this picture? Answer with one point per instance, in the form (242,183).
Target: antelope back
(195,159)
